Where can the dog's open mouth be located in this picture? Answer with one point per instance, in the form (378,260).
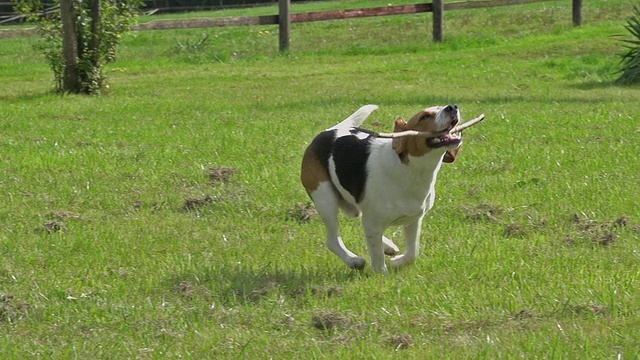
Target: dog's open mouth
(448,140)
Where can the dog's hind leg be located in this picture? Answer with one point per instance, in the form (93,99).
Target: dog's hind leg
(412,237)
(326,202)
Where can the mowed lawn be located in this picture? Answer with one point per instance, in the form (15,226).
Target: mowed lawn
(165,218)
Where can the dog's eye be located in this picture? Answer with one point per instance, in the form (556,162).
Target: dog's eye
(425,117)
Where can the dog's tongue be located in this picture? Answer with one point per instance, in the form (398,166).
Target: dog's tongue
(449,138)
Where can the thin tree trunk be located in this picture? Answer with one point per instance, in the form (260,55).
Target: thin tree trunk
(96,27)
(70,76)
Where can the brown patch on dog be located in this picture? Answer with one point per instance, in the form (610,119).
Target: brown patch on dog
(313,172)
(398,144)
(221,174)
(450,156)
(424,120)
(302,212)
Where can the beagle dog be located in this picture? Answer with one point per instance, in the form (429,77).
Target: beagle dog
(387,181)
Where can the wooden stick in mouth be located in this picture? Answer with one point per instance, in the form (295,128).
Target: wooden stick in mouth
(400,134)
(467,124)
(431,134)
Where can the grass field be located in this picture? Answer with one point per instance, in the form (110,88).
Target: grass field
(165,219)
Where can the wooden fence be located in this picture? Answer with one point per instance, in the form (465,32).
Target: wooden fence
(285,18)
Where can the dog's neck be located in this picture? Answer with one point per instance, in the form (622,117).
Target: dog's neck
(418,173)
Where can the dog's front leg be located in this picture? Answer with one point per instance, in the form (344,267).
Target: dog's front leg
(373,232)
(412,238)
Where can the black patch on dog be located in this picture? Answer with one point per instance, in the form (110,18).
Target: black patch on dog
(350,155)
(321,146)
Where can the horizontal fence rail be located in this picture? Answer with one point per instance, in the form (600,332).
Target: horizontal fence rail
(284,18)
(294,18)
(437,7)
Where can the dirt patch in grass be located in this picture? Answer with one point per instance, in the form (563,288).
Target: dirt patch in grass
(319,291)
(263,291)
(515,230)
(523,315)
(56,222)
(302,212)
(597,232)
(220,174)
(483,212)
(468,326)
(192,204)
(262,288)
(328,320)
(401,341)
(12,310)
(189,290)
(524,221)
(50,227)
(517,222)
(64,214)
(584,310)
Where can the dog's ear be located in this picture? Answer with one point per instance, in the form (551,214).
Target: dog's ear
(399,144)
(450,156)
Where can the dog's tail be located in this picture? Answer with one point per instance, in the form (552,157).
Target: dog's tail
(357,118)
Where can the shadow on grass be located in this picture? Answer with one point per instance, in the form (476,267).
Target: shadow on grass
(246,285)
(29,96)
(594,85)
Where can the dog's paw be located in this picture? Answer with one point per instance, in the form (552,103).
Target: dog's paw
(357,263)
(401,260)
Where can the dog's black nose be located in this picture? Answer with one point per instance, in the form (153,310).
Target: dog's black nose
(452,107)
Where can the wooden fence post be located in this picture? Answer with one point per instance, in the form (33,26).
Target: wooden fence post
(284,23)
(438,20)
(577,12)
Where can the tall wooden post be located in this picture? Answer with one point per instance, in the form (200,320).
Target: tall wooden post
(284,23)
(577,12)
(438,20)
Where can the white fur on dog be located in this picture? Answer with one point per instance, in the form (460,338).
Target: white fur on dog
(395,192)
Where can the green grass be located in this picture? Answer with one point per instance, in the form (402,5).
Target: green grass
(530,251)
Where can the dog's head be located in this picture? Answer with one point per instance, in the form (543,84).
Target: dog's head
(437,119)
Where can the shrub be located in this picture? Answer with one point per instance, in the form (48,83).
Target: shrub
(97,38)
(630,62)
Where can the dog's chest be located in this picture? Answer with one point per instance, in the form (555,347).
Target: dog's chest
(397,205)
(368,172)
(400,192)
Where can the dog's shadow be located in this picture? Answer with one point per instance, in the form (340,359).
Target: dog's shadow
(245,284)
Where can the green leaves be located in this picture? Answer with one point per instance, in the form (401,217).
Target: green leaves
(630,60)
(116,18)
